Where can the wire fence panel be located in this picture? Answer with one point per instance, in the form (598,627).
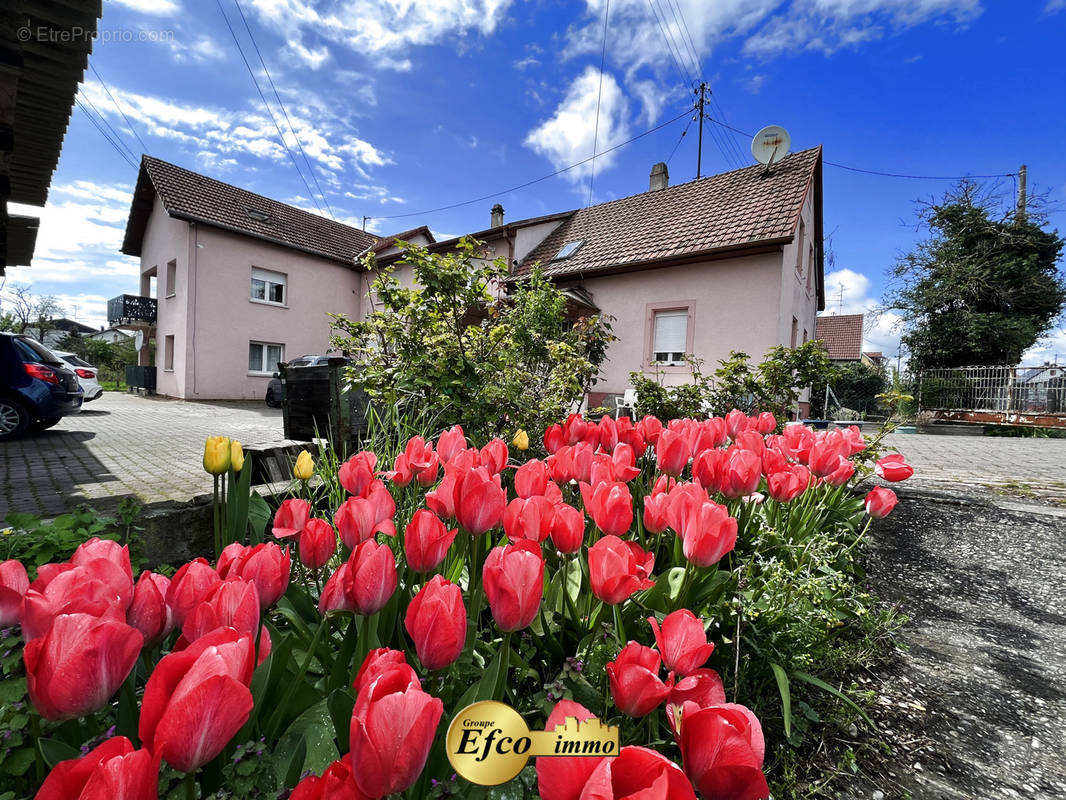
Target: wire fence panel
(1010,390)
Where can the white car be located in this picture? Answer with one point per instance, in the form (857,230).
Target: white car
(86,373)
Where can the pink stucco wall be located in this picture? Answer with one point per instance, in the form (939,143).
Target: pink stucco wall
(734,305)
(213,318)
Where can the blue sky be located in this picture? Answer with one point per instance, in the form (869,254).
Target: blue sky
(404,107)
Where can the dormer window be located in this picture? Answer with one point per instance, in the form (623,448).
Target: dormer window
(257,214)
(568,249)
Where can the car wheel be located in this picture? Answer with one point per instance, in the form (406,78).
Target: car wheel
(45,424)
(270,399)
(13,419)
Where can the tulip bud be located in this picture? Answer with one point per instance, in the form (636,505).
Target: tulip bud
(305,466)
(521,440)
(217,454)
(236,455)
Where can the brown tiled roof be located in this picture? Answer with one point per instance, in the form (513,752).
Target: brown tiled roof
(842,335)
(189,196)
(739,209)
(403,236)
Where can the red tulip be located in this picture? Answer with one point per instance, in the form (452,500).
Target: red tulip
(13,585)
(617,569)
(360,518)
(494,456)
(610,505)
(684,498)
(880,502)
(402,473)
(197,699)
(531,479)
(766,422)
(634,677)
(707,468)
(722,749)
(696,690)
(751,440)
(638,772)
(608,433)
(624,459)
(514,584)
(707,533)
(656,518)
(650,428)
(336,783)
(104,548)
(335,596)
(740,473)
(828,450)
(735,422)
(441,501)
(479,500)
(672,452)
(149,612)
(842,474)
(853,436)
(234,603)
(317,544)
(893,468)
(451,442)
(575,428)
(426,541)
(788,483)
(682,641)
(631,435)
(267,566)
(530,519)
(554,438)
(357,473)
(113,770)
(376,664)
(290,518)
(391,735)
(78,664)
(563,778)
(371,577)
(572,463)
(436,621)
(800,439)
(88,589)
(568,528)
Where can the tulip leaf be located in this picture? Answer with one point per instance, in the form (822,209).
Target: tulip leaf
(53,751)
(306,745)
(487,685)
(259,515)
(663,596)
(340,704)
(786,699)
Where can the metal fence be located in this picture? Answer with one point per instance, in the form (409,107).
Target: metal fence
(1010,390)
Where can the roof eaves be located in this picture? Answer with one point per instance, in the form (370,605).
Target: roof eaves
(244,232)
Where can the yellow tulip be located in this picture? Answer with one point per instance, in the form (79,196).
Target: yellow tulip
(236,455)
(305,466)
(521,440)
(217,454)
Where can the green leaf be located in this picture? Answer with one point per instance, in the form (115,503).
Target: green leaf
(664,594)
(258,515)
(18,761)
(12,690)
(53,751)
(803,676)
(340,704)
(786,700)
(487,684)
(307,744)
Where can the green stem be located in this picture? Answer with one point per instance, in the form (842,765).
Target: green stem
(190,786)
(279,713)
(35,729)
(619,629)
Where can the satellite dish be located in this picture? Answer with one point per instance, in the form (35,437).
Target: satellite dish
(138,340)
(770,145)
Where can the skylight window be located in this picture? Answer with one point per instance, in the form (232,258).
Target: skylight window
(257,214)
(568,249)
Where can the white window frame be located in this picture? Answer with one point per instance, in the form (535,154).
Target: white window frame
(264,356)
(676,358)
(269,279)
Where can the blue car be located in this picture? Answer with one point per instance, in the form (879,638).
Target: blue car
(37,388)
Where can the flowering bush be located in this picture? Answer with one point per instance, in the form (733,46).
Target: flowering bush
(620,577)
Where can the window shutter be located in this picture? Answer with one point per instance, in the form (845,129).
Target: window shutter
(671,331)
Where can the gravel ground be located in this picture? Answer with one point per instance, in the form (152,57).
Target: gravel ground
(975,706)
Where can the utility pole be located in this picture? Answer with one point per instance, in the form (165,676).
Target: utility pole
(1022,172)
(699,147)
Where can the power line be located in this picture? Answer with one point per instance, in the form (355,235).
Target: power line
(114,134)
(120,111)
(103,133)
(288,122)
(599,94)
(669,46)
(270,113)
(690,121)
(660,126)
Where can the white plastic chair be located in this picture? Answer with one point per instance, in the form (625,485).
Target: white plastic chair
(627,400)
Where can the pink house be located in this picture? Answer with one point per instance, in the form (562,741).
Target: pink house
(729,262)
(231,282)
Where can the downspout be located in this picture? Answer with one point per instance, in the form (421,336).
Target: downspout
(193,275)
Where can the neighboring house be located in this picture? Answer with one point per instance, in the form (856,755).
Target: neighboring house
(110,335)
(231,282)
(56,331)
(729,262)
(842,334)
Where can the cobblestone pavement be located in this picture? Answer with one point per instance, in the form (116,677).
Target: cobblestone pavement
(123,445)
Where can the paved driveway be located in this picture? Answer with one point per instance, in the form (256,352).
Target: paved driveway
(122,445)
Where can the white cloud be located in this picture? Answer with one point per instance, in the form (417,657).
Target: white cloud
(1054,5)
(847,292)
(1050,348)
(376,27)
(567,136)
(160,8)
(201,50)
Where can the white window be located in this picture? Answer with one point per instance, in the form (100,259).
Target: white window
(268,287)
(263,357)
(172,277)
(670,337)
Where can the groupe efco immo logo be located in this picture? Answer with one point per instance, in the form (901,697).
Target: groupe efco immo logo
(489,743)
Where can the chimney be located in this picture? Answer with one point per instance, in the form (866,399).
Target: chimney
(660,177)
(497,216)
